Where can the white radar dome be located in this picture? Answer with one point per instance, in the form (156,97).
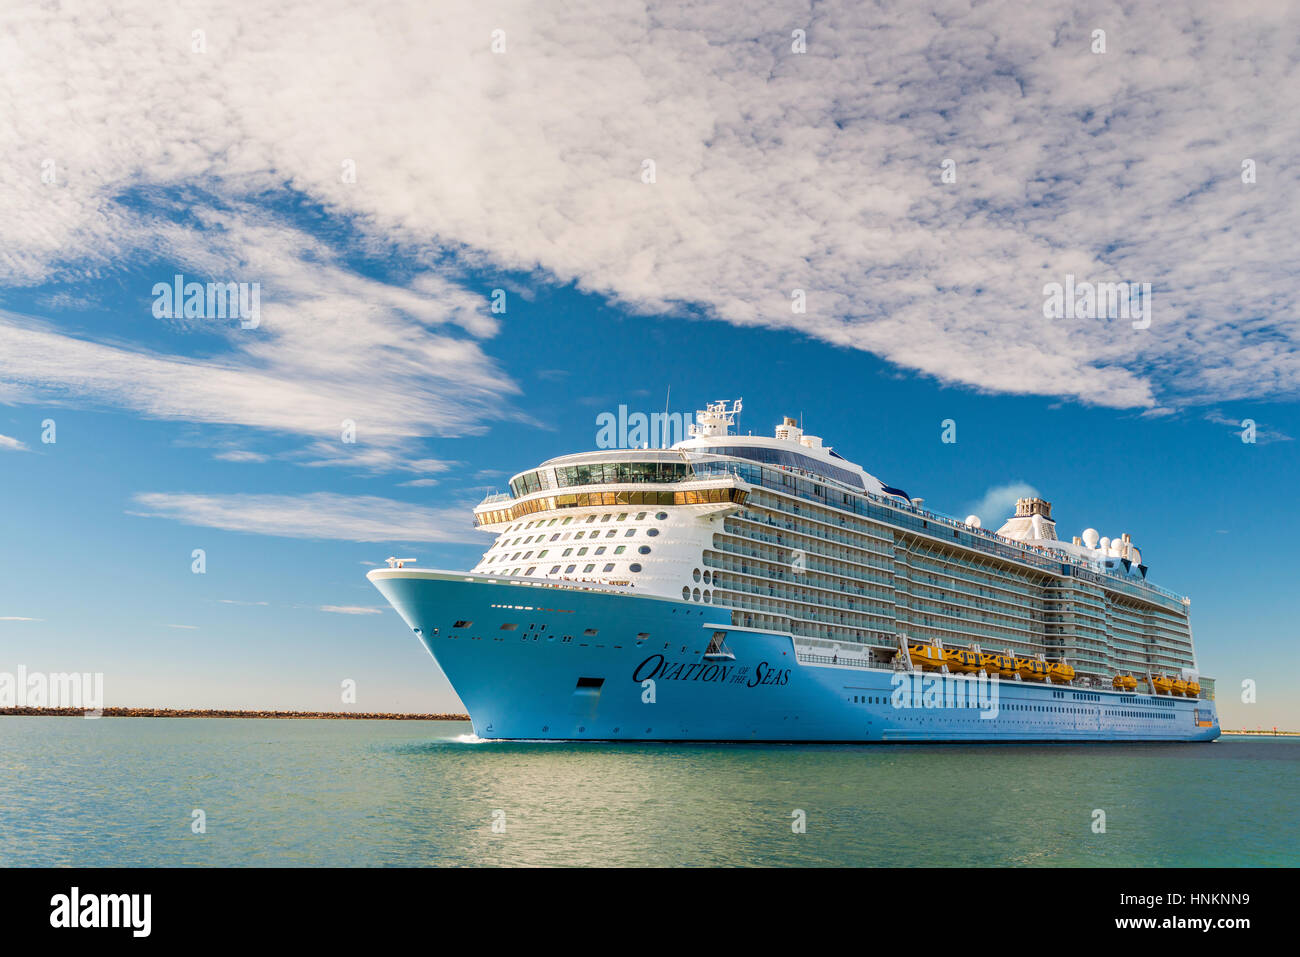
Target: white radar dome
(1090,537)
(973,521)
(1105,544)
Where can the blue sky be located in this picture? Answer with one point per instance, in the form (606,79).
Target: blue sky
(524,171)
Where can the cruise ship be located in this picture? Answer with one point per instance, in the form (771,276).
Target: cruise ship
(755,588)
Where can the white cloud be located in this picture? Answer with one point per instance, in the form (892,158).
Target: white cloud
(999,503)
(419,483)
(331,348)
(10,444)
(186,627)
(775,171)
(318,515)
(352,609)
(18,618)
(240,455)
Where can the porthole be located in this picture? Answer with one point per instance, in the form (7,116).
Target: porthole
(554,570)
(706,577)
(531,570)
(644,550)
(686,593)
(695,596)
(587,568)
(652,532)
(707,597)
(570,569)
(696,574)
(609,567)
(660,516)
(634,567)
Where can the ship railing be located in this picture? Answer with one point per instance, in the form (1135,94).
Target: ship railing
(834,660)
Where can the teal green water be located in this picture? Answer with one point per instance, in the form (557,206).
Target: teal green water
(121,791)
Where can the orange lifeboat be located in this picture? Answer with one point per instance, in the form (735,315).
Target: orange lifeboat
(1031,669)
(1193,689)
(1162,684)
(1002,665)
(1124,683)
(966,662)
(1060,672)
(926,656)
(1180,686)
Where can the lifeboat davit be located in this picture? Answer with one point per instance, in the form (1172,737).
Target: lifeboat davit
(1124,683)
(1060,672)
(1030,669)
(967,662)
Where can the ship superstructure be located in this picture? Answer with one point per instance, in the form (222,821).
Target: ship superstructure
(730,559)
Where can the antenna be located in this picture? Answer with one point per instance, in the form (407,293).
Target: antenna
(663,434)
